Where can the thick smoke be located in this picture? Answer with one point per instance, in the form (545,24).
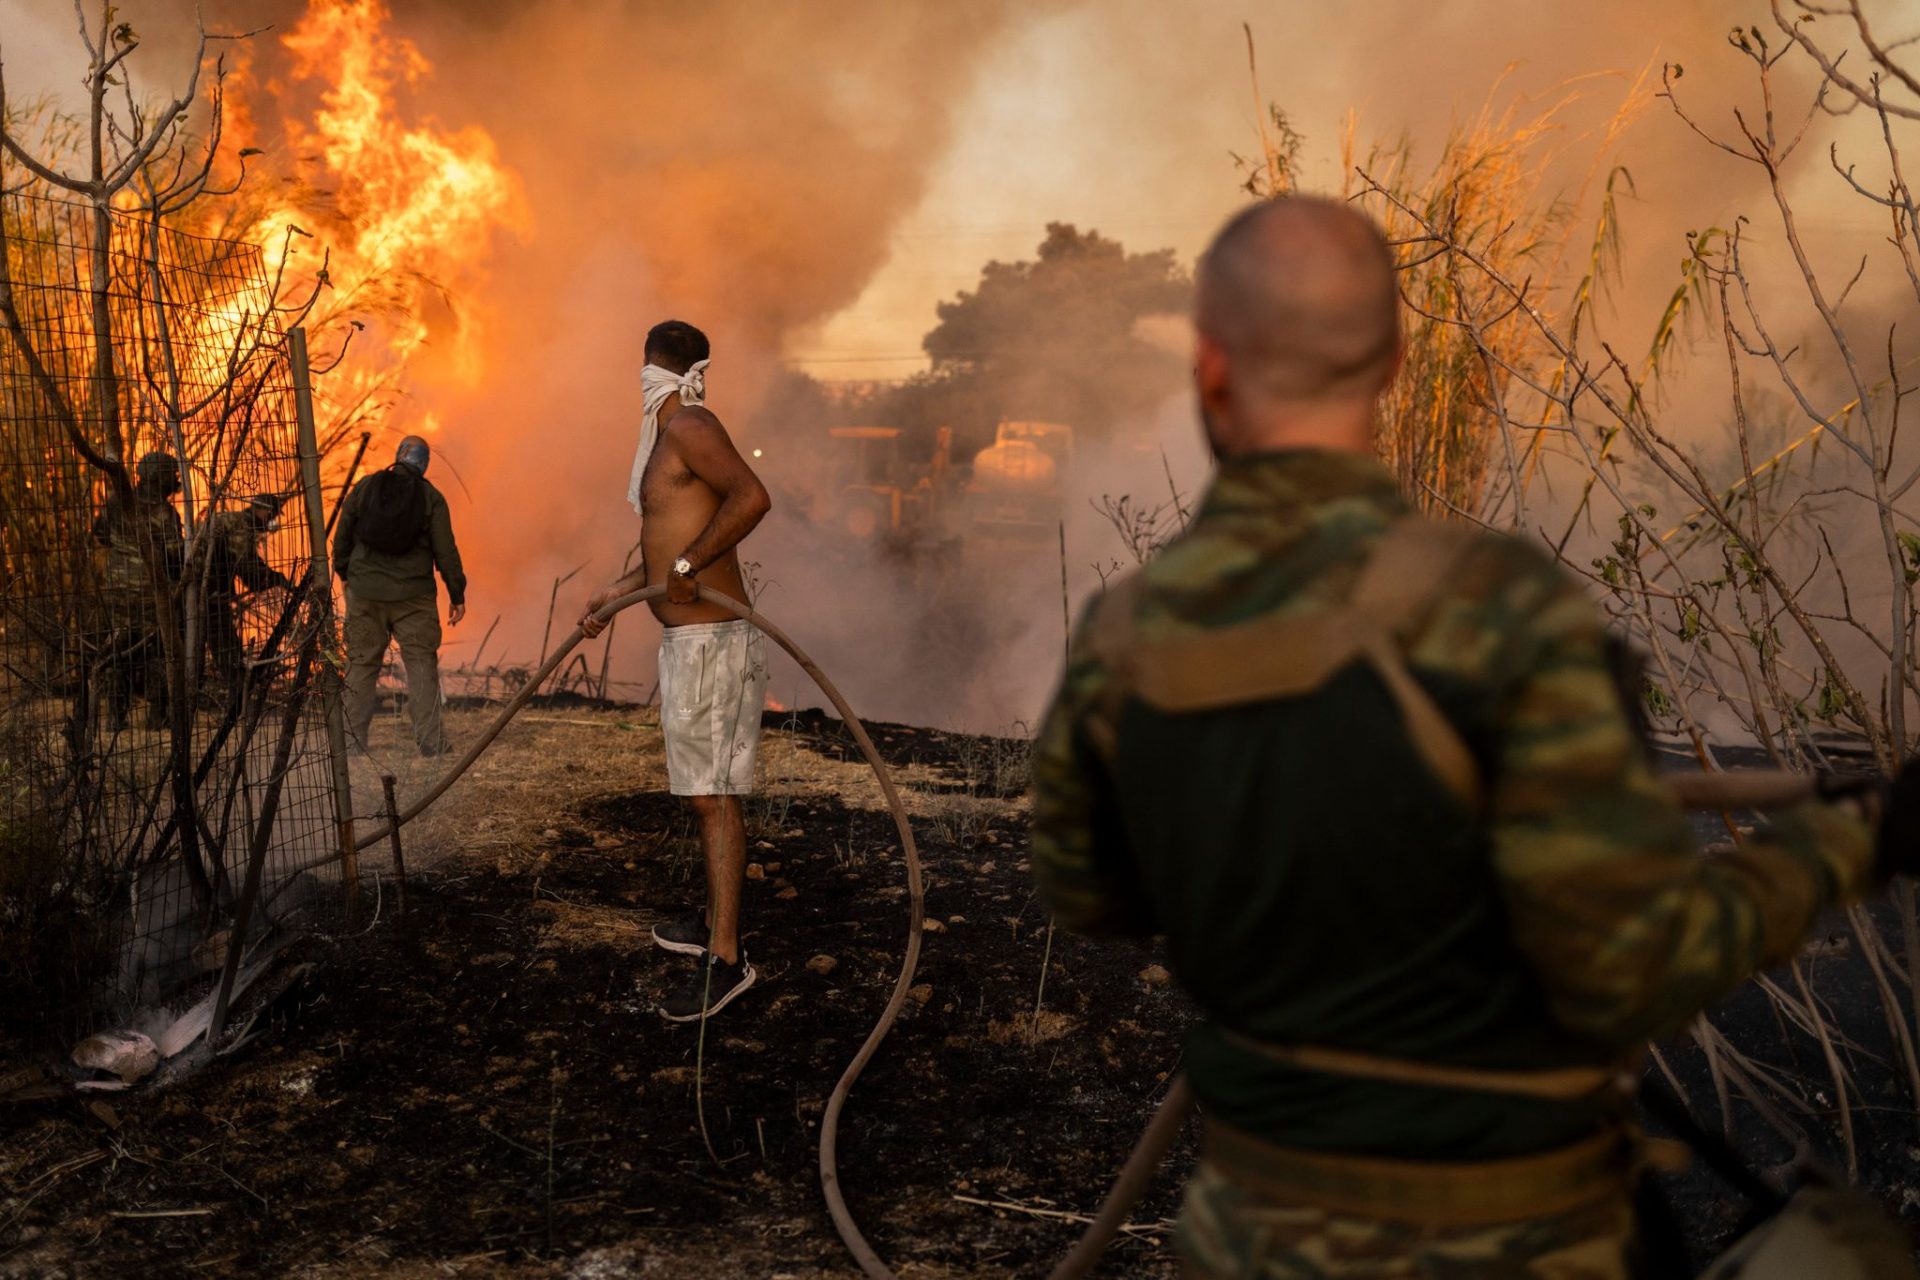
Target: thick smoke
(742,166)
(738,165)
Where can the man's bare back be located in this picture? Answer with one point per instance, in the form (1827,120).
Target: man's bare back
(677,505)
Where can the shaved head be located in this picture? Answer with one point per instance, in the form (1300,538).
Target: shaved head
(1298,307)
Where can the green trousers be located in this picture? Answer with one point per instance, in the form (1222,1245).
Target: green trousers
(415,623)
(1230,1232)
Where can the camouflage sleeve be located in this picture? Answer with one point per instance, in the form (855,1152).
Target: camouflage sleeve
(1079,855)
(249,565)
(1629,928)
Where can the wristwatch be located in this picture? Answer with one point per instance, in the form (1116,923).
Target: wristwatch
(683,568)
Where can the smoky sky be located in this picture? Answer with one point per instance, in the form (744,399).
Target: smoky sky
(745,166)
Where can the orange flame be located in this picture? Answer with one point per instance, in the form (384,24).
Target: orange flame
(408,211)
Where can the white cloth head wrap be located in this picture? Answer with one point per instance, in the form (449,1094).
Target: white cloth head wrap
(656,384)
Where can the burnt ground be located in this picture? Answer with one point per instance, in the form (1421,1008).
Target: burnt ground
(482,1086)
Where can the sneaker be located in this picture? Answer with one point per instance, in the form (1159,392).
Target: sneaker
(687,935)
(711,988)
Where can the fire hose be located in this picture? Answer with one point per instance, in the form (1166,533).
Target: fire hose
(836,1101)
(1757,789)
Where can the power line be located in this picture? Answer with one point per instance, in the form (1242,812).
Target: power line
(855,359)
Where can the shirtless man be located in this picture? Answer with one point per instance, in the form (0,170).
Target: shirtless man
(697,499)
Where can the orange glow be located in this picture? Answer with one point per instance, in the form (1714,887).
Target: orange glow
(407,210)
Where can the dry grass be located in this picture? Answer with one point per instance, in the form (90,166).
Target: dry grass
(544,764)
(574,925)
(547,763)
(1032,1028)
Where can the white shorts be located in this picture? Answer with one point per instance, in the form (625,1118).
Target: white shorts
(713,684)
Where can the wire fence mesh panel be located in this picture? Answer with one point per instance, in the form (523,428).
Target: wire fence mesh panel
(162,634)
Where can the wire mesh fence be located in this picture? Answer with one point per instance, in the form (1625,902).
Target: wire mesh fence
(163,637)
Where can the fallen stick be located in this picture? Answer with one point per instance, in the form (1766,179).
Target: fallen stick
(393,840)
(1062,1215)
(1743,789)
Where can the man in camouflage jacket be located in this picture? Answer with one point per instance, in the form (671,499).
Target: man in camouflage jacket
(147,528)
(1320,884)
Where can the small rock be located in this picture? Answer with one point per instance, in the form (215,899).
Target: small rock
(788,892)
(930,925)
(1155,975)
(772,867)
(986,868)
(823,964)
(130,1055)
(756,872)
(551,833)
(763,844)
(956,919)
(920,994)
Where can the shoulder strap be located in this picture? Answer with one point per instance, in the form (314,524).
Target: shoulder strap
(1288,656)
(1410,568)
(1109,633)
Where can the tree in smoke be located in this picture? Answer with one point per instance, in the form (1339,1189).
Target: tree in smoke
(1055,338)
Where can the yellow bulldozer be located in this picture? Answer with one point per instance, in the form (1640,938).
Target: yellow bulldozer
(868,493)
(872,494)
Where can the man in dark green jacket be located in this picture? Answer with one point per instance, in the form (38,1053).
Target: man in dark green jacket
(394,532)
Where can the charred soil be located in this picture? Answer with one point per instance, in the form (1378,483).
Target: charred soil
(484,1085)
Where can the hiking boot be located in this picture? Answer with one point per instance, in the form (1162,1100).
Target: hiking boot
(712,987)
(687,935)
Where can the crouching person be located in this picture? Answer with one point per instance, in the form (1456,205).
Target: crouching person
(394,531)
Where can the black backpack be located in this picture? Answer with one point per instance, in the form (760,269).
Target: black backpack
(393,512)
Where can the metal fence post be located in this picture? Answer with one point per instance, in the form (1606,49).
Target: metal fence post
(323,594)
